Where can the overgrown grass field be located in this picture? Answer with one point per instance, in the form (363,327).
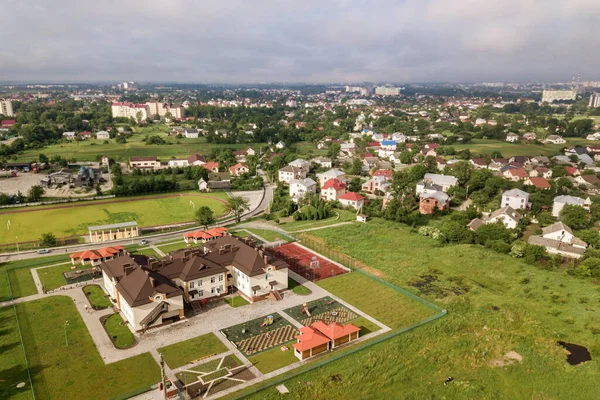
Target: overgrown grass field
(75,218)
(486,147)
(495,304)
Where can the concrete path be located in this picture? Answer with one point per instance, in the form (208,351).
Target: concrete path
(157,250)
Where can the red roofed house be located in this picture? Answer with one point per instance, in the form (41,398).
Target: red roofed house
(85,135)
(352,199)
(204,236)
(572,171)
(320,337)
(238,169)
(332,189)
(540,183)
(387,173)
(212,166)
(7,123)
(516,174)
(95,257)
(196,159)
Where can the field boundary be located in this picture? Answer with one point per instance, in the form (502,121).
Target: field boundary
(353,349)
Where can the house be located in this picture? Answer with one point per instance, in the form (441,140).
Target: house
(539,183)
(558,238)
(541,172)
(516,199)
(593,136)
(435,201)
(300,163)
(191,133)
(242,154)
(7,123)
(515,174)
(507,216)
(479,162)
(519,161)
(512,137)
(376,183)
(280,145)
(331,174)
(560,201)
(212,166)
(389,145)
(529,136)
(320,337)
(289,173)
(202,185)
(386,173)
(323,162)
(589,180)
(85,135)
(204,236)
(105,160)
(149,162)
(332,189)
(299,188)
(239,169)
(347,149)
(196,159)
(219,181)
(444,182)
(69,135)
(555,139)
(540,160)
(102,135)
(174,163)
(95,257)
(352,199)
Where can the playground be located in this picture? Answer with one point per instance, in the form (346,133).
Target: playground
(306,263)
(260,334)
(324,309)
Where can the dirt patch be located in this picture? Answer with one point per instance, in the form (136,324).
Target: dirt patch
(508,359)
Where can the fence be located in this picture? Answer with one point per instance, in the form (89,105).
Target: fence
(323,248)
(43,203)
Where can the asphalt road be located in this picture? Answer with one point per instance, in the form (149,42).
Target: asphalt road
(154,239)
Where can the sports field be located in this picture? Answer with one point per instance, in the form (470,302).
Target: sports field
(27,224)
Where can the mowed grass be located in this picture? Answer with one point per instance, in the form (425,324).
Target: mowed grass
(53,278)
(298,288)
(236,301)
(500,312)
(19,274)
(385,304)
(118,332)
(179,354)
(268,235)
(485,147)
(96,296)
(166,248)
(150,252)
(337,217)
(365,326)
(273,359)
(76,217)
(76,371)
(12,359)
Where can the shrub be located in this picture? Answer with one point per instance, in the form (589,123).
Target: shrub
(498,246)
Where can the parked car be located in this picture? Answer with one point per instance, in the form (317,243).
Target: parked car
(145,241)
(43,251)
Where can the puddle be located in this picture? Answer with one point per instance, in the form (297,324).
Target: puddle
(578,354)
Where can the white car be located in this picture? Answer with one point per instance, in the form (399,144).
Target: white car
(145,241)
(43,251)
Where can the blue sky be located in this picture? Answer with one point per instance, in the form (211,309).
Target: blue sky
(299,41)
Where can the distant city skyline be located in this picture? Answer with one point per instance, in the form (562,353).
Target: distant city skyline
(338,41)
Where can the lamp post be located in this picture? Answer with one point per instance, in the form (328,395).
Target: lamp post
(18,252)
(66,337)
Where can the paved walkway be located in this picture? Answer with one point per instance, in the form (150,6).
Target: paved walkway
(157,250)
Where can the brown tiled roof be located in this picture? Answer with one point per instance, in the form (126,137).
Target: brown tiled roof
(141,284)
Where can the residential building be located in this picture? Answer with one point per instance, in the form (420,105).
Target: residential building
(322,161)
(69,135)
(191,133)
(560,201)
(507,216)
(376,183)
(444,182)
(239,169)
(161,109)
(429,202)
(515,174)
(558,238)
(516,199)
(539,183)
(174,163)
(320,337)
(6,108)
(300,187)
(197,159)
(212,166)
(352,199)
(331,174)
(102,135)
(144,162)
(555,139)
(529,136)
(289,173)
(387,91)
(512,137)
(550,96)
(333,189)
(594,100)
(130,110)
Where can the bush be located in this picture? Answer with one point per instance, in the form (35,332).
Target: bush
(498,246)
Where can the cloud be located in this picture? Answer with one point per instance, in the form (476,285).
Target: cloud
(309,41)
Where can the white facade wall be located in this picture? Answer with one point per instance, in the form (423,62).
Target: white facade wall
(178,163)
(515,202)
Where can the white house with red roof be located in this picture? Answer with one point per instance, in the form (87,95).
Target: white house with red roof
(516,174)
(331,174)
(352,199)
(332,189)
(212,166)
(239,169)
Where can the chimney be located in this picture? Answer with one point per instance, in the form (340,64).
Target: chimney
(260,252)
(128,268)
(152,282)
(265,257)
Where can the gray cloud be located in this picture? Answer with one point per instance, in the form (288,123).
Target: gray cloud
(310,41)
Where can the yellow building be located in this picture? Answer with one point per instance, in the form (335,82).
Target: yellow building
(103,233)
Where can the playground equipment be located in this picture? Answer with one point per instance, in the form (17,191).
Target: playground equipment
(305,310)
(267,321)
(314,263)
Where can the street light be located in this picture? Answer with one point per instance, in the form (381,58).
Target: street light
(18,252)
(66,337)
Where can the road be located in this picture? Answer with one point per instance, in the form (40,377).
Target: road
(159,237)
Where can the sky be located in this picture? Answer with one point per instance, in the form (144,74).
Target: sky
(314,41)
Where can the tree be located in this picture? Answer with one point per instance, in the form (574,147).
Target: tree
(36,192)
(574,216)
(98,190)
(48,240)
(356,167)
(237,205)
(205,216)
(43,158)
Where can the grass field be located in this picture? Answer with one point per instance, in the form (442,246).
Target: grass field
(75,218)
(365,326)
(236,301)
(96,296)
(274,358)
(118,332)
(339,216)
(179,354)
(19,274)
(148,252)
(53,278)
(298,288)
(58,371)
(485,147)
(495,304)
(172,246)
(268,235)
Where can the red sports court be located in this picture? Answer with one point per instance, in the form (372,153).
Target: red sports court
(307,263)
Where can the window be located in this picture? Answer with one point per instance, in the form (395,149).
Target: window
(221,288)
(191,285)
(220,278)
(200,282)
(212,290)
(212,280)
(200,293)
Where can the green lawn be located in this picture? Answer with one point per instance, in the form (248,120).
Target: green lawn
(365,326)
(274,358)
(298,288)
(492,309)
(148,252)
(96,296)
(236,301)
(58,371)
(173,246)
(179,354)
(20,277)
(75,218)
(268,235)
(52,277)
(344,216)
(118,332)
(483,147)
